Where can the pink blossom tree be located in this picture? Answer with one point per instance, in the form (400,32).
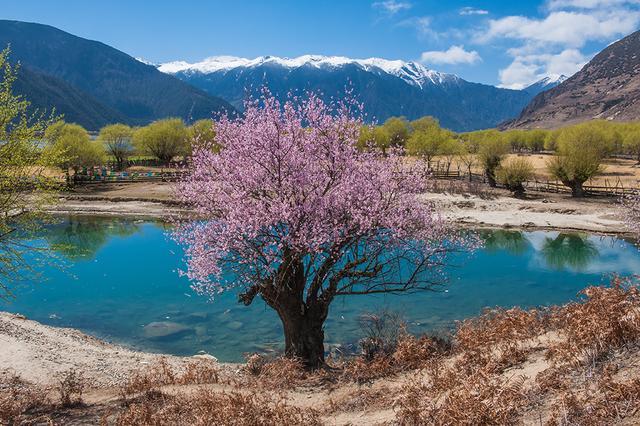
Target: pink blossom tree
(291,211)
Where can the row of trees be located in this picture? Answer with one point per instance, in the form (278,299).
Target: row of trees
(578,150)
(618,138)
(164,140)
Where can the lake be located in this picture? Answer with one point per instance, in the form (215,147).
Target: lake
(118,279)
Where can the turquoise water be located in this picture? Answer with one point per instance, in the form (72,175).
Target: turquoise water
(115,277)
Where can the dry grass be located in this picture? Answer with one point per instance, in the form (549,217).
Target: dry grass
(275,373)
(22,403)
(153,378)
(474,385)
(608,319)
(207,407)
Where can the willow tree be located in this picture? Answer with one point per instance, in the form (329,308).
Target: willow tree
(118,142)
(163,139)
(24,185)
(72,147)
(292,212)
(492,150)
(579,154)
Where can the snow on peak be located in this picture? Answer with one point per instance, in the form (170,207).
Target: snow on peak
(144,61)
(554,78)
(411,72)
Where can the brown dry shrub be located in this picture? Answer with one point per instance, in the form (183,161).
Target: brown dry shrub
(206,407)
(199,372)
(608,401)
(499,328)
(22,403)
(276,373)
(70,387)
(461,399)
(161,374)
(606,320)
(410,353)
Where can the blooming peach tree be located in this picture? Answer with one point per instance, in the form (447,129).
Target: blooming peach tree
(292,212)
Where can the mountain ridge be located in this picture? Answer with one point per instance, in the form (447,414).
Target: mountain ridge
(139,93)
(385,87)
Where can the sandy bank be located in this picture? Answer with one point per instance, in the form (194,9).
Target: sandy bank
(494,209)
(40,353)
(549,212)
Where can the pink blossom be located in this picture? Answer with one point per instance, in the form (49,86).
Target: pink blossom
(289,183)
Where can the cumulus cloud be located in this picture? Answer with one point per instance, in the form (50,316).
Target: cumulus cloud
(391,7)
(552,45)
(567,28)
(588,4)
(452,56)
(473,11)
(529,68)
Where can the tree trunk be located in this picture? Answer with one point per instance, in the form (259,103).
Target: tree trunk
(576,189)
(304,338)
(491,177)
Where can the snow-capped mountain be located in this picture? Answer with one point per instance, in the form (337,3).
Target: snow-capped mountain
(385,87)
(411,72)
(545,84)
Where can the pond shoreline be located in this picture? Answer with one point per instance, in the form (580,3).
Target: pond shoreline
(40,353)
(492,209)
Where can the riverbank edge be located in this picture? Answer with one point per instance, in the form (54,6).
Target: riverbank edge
(156,209)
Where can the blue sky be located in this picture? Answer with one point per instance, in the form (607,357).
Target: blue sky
(507,43)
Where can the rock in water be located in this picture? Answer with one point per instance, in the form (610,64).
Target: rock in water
(165,330)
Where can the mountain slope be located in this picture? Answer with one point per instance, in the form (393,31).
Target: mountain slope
(608,87)
(138,92)
(386,88)
(45,92)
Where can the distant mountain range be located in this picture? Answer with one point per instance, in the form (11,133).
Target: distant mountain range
(608,87)
(94,84)
(386,88)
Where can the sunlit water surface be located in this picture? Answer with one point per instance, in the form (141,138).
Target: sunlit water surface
(118,279)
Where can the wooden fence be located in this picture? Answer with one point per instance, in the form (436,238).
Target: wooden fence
(605,188)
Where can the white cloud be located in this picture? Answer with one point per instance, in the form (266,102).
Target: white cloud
(572,29)
(391,7)
(453,55)
(529,68)
(588,4)
(552,45)
(473,11)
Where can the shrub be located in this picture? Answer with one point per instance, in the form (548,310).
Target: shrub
(514,174)
(491,153)
(21,402)
(70,388)
(207,407)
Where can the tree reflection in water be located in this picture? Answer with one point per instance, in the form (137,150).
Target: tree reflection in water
(569,251)
(513,242)
(79,237)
